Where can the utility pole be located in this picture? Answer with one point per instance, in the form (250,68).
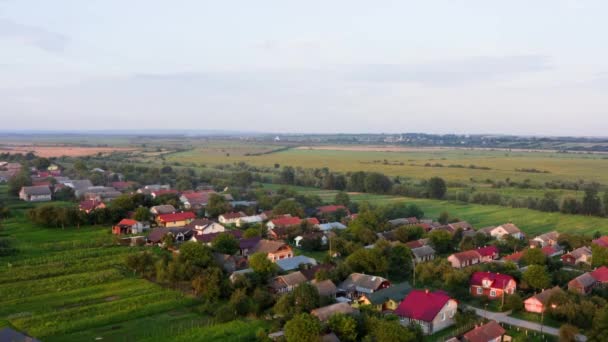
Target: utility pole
(414,270)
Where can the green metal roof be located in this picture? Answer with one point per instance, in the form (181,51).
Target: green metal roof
(396,292)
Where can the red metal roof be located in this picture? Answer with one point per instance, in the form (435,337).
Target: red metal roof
(229,216)
(602,241)
(484,333)
(312,220)
(515,257)
(176,217)
(499,281)
(330,208)
(286,221)
(422,305)
(601,274)
(487,251)
(548,251)
(127,222)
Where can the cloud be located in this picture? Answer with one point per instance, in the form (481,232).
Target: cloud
(31,35)
(451,72)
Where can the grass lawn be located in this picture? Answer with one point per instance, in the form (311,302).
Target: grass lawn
(530,221)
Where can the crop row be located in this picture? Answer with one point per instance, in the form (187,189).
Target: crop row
(67,255)
(79,297)
(58,284)
(88,317)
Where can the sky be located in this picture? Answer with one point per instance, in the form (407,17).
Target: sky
(470,67)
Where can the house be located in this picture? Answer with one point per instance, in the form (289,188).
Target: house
(357,284)
(417,243)
(405,221)
(578,256)
(245,220)
(506,229)
(162,209)
(39,193)
(325,227)
(161,192)
(196,199)
(488,253)
(207,239)
(89,205)
(204,226)
(464,225)
(491,285)
(80,186)
(175,219)
(275,250)
(230,263)
(231,218)
(582,284)
(128,226)
(294,263)
(515,257)
(538,302)
(101,193)
(387,299)
(147,189)
(326,288)
(10,335)
(240,273)
(285,221)
(602,241)
(331,209)
(546,239)
(246,246)
(600,274)
(325,312)
(489,332)
(286,283)
(311,272)
(464,259)
(122,186)
(178,234)
(423,253)
(433,311)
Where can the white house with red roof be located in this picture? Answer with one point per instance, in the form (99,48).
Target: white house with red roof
(491,285)
(433,311)
(285,221)
(128,226)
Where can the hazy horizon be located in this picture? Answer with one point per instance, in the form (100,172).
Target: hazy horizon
(440,67)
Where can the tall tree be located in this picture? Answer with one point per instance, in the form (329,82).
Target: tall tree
(217,205)
(436,188)
(303,328)
(225,243)
(592,205)
(342,198)
(537,277)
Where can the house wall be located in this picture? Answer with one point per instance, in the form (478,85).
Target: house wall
(445,318)
(533,305)
(282,254)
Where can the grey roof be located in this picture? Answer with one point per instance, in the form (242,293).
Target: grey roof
(163,209)
(423,251)
(579,252)
(291,279)
(293,263)
(546,237)
(362,282)
(37,190)
(324,313)
(325,287)
(331,225)
(585,279)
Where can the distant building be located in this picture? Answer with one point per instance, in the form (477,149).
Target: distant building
(491,285)
(40,193)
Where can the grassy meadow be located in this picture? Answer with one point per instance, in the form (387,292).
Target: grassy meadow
(530,221)
(503,164)
(71,285)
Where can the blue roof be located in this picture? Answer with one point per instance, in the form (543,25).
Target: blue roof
(288,264)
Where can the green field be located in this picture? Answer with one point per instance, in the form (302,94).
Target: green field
(503,164)
(530,221)
(71,285)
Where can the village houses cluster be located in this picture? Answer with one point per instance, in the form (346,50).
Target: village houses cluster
(432,310)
